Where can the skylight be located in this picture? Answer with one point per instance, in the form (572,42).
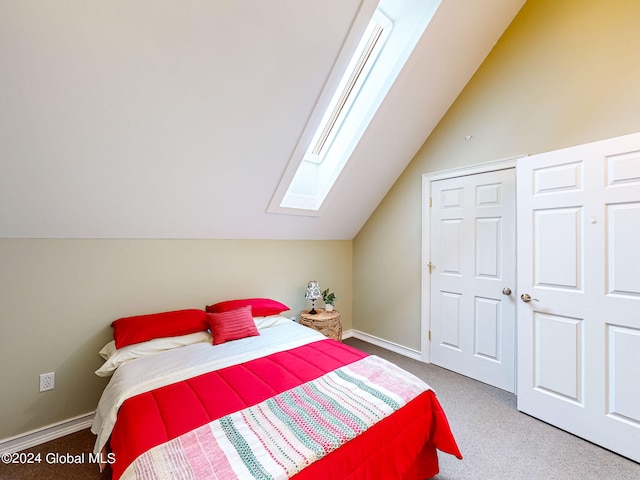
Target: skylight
(386,44)
(347,91)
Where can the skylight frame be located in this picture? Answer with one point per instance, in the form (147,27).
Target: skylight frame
(361,63)
(309,178)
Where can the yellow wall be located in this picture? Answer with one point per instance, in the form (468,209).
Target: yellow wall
(59,298)
(565,72)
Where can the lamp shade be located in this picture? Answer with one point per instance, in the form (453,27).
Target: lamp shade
(313,291)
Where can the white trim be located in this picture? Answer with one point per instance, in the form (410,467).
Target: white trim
(347,334)
(502,164)
(427,178)
(394,347)
(46,434)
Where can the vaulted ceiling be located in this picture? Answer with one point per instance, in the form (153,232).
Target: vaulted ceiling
(177,119)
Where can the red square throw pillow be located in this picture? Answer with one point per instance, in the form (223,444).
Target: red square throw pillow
(232,325)
(260,307)
(141,328)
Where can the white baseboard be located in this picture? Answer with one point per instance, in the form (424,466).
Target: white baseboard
(394,347)
(46,434)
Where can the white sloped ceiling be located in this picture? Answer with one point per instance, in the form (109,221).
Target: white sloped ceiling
(177,119)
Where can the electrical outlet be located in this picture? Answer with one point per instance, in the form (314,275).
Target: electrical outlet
(47,381)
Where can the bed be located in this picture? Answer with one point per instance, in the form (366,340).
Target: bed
(249,393)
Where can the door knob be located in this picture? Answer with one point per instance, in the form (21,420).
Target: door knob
(506,291)
(526,298)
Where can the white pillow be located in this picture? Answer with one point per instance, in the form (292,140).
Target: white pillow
(270,321)
(116,357)
(108,350)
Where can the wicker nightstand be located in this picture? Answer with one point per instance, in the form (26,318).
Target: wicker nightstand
(327,323)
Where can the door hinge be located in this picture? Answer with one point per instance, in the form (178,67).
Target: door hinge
(430,202)
(429,335)
(431,266)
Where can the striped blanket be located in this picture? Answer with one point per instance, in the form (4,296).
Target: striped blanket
(277,438)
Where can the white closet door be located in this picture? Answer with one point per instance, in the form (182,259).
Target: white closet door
(578,230)
(473,250)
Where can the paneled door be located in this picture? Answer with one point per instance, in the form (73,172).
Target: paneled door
(473,270)
(578,233)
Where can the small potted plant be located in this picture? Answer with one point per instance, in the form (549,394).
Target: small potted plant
(329,299)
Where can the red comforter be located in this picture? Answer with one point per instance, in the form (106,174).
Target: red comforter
(402,445)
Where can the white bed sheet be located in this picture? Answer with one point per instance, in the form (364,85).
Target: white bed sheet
(145,374)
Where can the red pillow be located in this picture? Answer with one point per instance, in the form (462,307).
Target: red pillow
(261,307)
(232,325)
(141,328)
